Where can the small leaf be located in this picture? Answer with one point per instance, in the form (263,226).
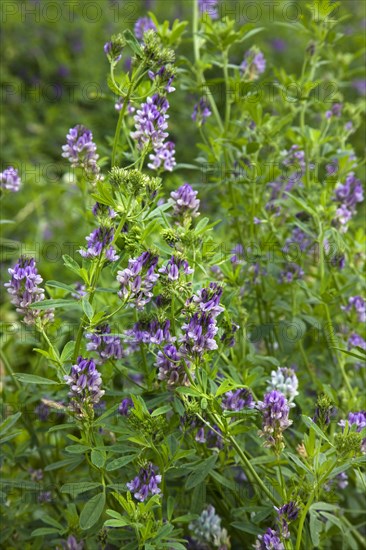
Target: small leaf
(119,462)
(87,307)
(310,424)
(161,410)
(33,379)
(42,531)
(201,472)
(92,511)
(98,458)
(79,487)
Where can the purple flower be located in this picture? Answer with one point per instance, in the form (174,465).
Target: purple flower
(72,544)
(98,244)
(347,196)
(151,122)
(287,513)
(142,25)
(163,78)
(336,110)
(85,382)
(199,335)
(237,400)
(275,410)
(10,179)
(43,411)
(80,291)
(125,406)
(360,85)
(163,157)
(254,63)
(355,340)
(36,475)
(201,112)
(171,366)
(24,289)
(291,272)
(81,151)
(209,7)
(341,480)
(269,541)
(145,484)
(174,268)
(298,240)
(44,496)
(107,346)
(138,280)
(238,252)
(357,303)
(185,202)
(154,333)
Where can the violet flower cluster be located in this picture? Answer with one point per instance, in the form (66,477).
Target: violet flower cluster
(125,406)
(145,484)
(151,124)
(100,243)
(25,291)
(81,150)
(254,63)
(356,341)
(171,365)
(106,345)
(85,384)
(275,410)
(201,112)
(269,541)
(174,268)
(200,329)
(142,25)
(291,272)
(138,280)
(72,544)
(284,380)
(347,196)
(185,202)
(358,304)
(286,514)
(209,7)
(336,110)
(10,179)
(238,400)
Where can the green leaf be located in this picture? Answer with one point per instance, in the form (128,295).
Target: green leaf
(201,472)
(51,521)
(33,379)
(60,302)
(310,424)
(87,307)
(57,284)
(161,410)
(43,531)
(122,522)
(98,458)
(71,263)
(77,449)
(9,422)
(92,511)
(119,462)
(79,487)
(67,351)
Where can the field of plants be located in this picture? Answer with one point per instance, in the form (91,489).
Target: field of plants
(182,275)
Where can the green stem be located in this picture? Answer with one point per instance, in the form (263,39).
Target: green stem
(302,521)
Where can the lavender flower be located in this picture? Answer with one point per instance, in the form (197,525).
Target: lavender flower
(163,157)
(72,544)
(98,244)
(80,150)
(340,480)
(102,211)
(292,271)
(254,63)
(145,483)
(24,289)
(355,340)
(275,410)
(107,346)
(287,513)
(138,280)
(44,496)
(153,332)
(163,78)
(347,196)
(357,303)
(142,25)
(201,112)
(171,366)
(80,291)
(209,7)
(36,475)
(207,529)
(174,267)
(151,122)
(336,110)
(298,238)
(285,380)
(85,383)
(237,400)
(125,406)
(185,202)
(269,541)
(10,179)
